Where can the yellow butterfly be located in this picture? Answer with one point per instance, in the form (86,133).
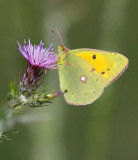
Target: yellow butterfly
(84,73)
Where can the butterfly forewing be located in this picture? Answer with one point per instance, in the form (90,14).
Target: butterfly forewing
(109,65)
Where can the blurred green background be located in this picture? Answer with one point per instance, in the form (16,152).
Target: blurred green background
(104,130)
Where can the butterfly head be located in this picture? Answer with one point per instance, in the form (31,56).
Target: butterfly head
(62,49)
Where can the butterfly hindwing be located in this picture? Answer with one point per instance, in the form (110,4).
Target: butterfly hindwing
(79,80)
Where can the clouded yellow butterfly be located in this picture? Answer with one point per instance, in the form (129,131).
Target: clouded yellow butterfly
(84,73)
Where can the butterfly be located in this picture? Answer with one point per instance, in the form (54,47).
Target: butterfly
(84,73)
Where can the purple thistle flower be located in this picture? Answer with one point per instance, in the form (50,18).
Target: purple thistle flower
(38,56)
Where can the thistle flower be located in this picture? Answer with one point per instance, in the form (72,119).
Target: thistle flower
(38,56)
(26,93)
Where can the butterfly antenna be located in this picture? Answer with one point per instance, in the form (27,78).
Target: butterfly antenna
(58,36)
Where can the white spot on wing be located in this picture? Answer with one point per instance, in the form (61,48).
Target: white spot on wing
(84,79)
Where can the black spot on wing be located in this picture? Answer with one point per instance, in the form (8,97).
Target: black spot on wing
(94,56)
(65,91)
